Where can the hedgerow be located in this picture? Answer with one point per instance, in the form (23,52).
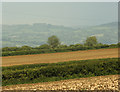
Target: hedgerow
(7,51)
(59,71)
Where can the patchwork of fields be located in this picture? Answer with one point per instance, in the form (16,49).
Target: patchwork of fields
(102,74)
(59,57)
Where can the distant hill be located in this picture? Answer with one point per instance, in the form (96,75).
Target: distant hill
(38,33)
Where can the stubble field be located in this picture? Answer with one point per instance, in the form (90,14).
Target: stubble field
(59,57)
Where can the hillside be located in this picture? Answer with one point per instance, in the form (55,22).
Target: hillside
(38,33)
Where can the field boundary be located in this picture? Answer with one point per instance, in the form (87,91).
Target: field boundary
(59,71)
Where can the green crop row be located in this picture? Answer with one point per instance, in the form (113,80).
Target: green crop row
(59,71)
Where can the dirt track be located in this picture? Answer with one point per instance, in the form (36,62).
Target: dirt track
(109,82)
(59,57)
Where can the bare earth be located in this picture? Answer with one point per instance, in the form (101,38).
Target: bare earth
(109,82)
(59,57)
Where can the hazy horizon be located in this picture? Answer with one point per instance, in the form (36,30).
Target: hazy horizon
(66,14)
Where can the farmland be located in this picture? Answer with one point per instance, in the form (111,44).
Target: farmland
(59,57)
(108,82)
(59,46)
(61,66)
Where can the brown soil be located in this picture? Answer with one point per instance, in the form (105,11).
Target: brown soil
(109,82)
(59,57)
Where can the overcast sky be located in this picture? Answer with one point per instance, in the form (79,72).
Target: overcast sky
(67,14)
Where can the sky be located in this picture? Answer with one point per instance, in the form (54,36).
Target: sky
(60,13)
(60,0)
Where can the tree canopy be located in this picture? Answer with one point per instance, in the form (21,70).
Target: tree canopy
(53,41)
(91,41)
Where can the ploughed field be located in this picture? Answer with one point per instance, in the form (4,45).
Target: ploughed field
(108,82)
(59,57)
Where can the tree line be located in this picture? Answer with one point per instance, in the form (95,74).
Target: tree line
(54,45)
